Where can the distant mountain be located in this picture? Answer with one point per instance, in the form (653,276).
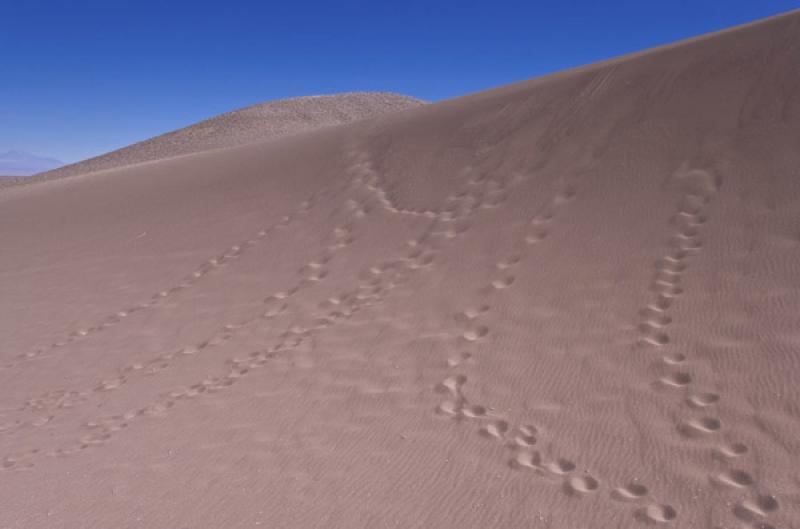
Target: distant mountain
(251,124)
(19,163)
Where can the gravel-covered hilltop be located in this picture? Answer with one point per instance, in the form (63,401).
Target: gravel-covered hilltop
(247,125)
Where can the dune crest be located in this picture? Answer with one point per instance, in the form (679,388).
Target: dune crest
(253,124)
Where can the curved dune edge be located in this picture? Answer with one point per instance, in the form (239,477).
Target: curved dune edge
(253,124)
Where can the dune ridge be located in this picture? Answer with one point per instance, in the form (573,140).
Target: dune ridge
(252,124)
(568,302)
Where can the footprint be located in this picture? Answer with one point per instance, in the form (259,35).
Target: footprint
(509,262)
(678,380)
(689,232)
(735,478)
(670,265)
(661,304)
(317,275)
(655,318)
(694,219)
(544,217)
(674,358)
(566,194)
(686,244)
(666,290)
(691,205)
(41,421)
(495,429)
(476,333)
(659,513)
(695,427)
(732,450)
(111,384)
(473,312)
(703,400)
(422,260)
(536,236)
(651,336)
(474,411)
(452,384)
(630,492)
(528,429)
(560,466)
(677,254)
(448,407)
(503,282)
(458,359)
(527,459)
(667,279)
(525,441)
(761,505)
(581,485)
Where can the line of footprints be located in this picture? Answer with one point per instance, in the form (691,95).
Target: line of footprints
(487,194)
(666,285)
(221,260)
(272,306)
(373,285)
(522,439)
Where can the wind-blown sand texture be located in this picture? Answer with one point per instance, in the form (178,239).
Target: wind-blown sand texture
(256,123)
(571,302)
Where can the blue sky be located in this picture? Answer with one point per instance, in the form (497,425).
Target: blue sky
(81,78)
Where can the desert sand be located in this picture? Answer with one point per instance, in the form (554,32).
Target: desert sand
(570,302)
(252,124)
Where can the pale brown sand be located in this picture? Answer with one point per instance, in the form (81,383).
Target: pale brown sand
(256,123)
(568,303)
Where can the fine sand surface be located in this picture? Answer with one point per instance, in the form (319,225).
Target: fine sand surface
(255,123)
(573,302)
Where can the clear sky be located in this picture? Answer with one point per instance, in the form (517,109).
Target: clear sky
(83,77)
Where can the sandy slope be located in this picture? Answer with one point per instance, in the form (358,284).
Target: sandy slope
(567,303)
(255,123)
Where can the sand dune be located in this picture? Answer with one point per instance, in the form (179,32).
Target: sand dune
(569,302)
(255,123)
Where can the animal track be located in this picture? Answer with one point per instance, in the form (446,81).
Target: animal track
(735,478)
(658,513)
(560,466)
(503,282)
(630,492)
(581,485)
(523,438)
(761,505)
(474,411)
(368,177)
(526,436)
(733,450)
(678,379)
(695,427)
(527,459)
(476,333)
(457,360)
(495,429)
(684,242)
(453,384)
(666,284)
(314,271)
(370,290)
(703,400)
(674,358)
(234,252)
